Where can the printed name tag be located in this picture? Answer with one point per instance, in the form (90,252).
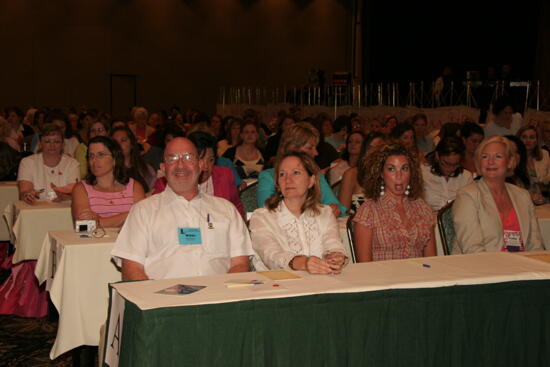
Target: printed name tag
(512,241)
(189,236)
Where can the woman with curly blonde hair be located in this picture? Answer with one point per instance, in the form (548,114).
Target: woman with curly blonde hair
(394,222)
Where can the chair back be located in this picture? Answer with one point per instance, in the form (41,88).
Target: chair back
(351,244)
(248,197)
(446,227)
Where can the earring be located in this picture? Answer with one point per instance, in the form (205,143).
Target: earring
(408,190)
(382,187)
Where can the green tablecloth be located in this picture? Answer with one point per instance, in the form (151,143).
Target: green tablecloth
(502,324)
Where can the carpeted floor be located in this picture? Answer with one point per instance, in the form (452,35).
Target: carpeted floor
(27,341)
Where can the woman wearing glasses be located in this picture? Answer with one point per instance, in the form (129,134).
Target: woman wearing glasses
(49,174)
(107,194)
(442,174)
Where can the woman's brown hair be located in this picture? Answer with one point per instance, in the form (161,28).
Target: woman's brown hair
(369,174)
(313,194)
(296,136)
(536,153)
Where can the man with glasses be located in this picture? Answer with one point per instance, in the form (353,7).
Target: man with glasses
(181,232)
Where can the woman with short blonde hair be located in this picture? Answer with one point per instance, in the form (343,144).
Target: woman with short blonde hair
(49,174)
(490,214)
(300,137)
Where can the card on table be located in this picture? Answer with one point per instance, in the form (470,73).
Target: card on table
(181,289)
(279,274)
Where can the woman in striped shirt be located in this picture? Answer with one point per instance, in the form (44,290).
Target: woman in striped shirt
(107,194)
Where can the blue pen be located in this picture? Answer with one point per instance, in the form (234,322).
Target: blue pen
(426,265)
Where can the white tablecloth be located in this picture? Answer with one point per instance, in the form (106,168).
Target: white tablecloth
(8,194)
(30,223)
(543,215)
(438,271)
(77,272)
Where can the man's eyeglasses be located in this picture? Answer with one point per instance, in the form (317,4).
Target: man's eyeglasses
(98,155)
(174,158)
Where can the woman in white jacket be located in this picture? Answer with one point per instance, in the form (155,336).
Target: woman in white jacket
(294,230)
(490,214)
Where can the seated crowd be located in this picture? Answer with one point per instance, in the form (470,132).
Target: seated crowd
(172,181)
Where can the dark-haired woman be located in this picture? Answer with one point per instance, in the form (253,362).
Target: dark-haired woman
(538,160)
(349,159)
(136,166)
(472,135)
(246,156)
(518,174)
(505,120)
(403,133)
(442,174)
(107,194)
(351,193)
(394,222)
(232,132)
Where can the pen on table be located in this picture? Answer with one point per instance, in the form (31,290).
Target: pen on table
(426,265)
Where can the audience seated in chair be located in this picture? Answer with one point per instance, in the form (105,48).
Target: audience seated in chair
(293,209)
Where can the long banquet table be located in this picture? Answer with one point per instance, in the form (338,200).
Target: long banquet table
(30,223)
(77,272)
(486,309)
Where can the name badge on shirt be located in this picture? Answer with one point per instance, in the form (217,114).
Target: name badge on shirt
(512,241)
(189,236)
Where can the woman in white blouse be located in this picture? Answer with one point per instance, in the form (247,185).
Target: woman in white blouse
(442,174)
(49,174)
(538,160)
(294,230)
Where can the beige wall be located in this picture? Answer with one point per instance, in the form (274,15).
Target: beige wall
(61,52)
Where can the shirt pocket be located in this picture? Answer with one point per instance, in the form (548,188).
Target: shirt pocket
(216,238)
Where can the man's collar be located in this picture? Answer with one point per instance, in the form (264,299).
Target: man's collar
(169,197)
